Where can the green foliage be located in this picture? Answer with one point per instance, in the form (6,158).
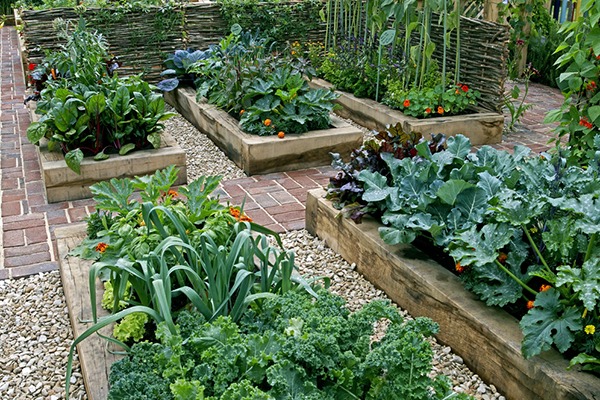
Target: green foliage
(291,347)
(512,223)
(131,328)
(579,52)
(86,111)
(179,250)
(277,20)
(268,93)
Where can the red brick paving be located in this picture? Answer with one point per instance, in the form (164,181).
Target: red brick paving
(275,200)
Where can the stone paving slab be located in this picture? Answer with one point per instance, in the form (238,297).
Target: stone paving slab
(27,221)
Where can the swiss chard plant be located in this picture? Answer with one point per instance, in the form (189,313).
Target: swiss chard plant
(521,228)
(86,110)
(293,347)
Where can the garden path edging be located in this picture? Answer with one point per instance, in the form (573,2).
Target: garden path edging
(488,339)
(481,128)
(265,154)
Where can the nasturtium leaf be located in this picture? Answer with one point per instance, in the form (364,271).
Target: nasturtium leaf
(101,156)
(35,132)
(549,322)
(73,159)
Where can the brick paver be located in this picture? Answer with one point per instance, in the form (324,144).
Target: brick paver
(276,200)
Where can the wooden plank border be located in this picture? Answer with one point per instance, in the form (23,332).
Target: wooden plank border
(264,154)
(488,339)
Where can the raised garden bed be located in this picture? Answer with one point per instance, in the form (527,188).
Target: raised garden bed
(488,339)
(263,154)
(94,355)
(62,184)
(481,128)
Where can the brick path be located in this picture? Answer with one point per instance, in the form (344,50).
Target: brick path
(276,200)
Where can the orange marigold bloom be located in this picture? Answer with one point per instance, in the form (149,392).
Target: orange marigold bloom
(101,247)
(235,212)
(172,193)
(502,258)
(440,110)
(242,111)
(428,110)
(585,123)
(267,122)
(543,288)
(245,218)
(459,268)
(456,91)
(406,103)
(530,304)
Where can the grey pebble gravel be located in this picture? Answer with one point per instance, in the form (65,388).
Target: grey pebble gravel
(35,332)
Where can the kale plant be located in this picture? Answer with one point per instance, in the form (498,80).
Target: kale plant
(292,347)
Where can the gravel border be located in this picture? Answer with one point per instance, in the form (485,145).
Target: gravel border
(36,333)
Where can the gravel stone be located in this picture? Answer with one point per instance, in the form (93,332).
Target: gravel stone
(35,336)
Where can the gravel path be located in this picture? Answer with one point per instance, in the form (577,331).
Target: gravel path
(35,332)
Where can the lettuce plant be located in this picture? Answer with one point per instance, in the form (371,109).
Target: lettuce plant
(522,230)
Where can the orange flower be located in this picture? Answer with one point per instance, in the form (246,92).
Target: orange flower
(530,304)
(459,268)
(172,193)
(101,247)
(281,135)
(591,85)
(585,123)
(543,288)
(242,112)
(267,122)
(235,212)
(502,258)
(406,103)
(53,73)
(464,88)
(440,110)
(245,218)
(428,110)
(456,91)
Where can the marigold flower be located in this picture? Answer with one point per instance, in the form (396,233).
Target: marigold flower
(235,212)
(406,103)
(242,112)
(543,288)
(530,304)
(459,268)
(428,110)
(267,122)
(172,193)
(245,218)
(456,91)
(440,110)
(101,247)
(502,258)
(590,329)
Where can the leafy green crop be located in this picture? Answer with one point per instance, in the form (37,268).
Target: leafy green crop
(513,223)
(291,347)
(87,110)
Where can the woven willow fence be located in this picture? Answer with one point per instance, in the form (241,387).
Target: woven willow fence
(143,39)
